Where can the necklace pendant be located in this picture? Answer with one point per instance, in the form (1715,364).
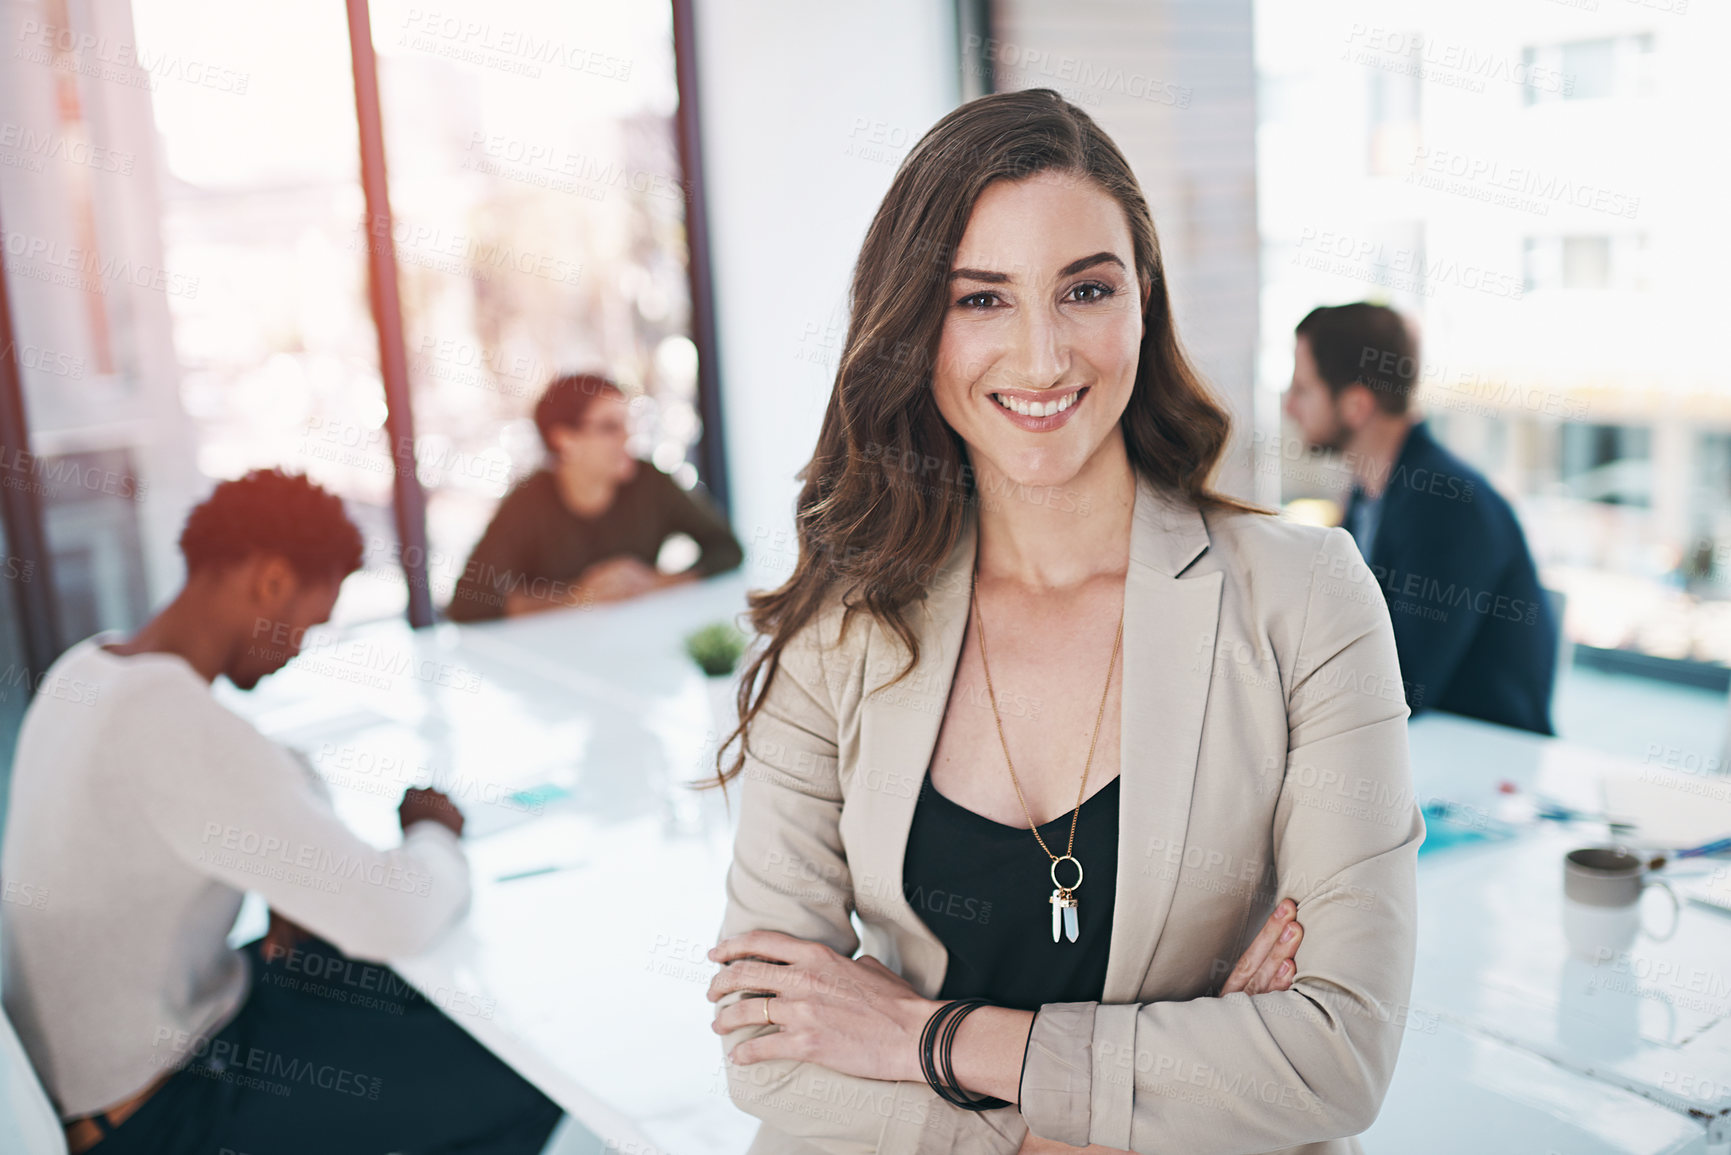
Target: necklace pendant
(1063,914)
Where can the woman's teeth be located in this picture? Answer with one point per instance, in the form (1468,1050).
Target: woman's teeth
(1037,408)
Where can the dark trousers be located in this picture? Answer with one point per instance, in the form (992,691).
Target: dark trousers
(332,1055)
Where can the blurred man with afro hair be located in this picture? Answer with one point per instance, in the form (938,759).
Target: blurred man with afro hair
(146,810)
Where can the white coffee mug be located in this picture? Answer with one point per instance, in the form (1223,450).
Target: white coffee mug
(1602,887)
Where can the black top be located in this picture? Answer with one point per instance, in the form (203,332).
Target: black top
(983,889)
(535,540)
(1472,625)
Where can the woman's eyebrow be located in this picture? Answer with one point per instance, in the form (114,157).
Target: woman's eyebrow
(1101,258)
(989,278)
(992,278)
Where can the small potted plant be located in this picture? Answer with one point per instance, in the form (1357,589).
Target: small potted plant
(717,649)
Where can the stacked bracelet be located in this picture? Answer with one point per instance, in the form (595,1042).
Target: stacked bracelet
(936,1041)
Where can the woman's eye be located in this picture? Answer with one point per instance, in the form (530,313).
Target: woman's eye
(1091,291)
(977,300)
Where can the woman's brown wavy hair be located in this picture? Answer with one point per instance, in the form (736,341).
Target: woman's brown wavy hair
(886,492)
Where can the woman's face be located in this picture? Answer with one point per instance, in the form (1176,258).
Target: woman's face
(1044,316)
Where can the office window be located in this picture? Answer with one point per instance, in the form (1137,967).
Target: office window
(1598,227)
(88,289)
(220,319)
(93,527)
(1394,115)
(1607,463)
(1496,438)
(1590,66)
(1712,480)
(1587,262)
(260,204)
(540,229)
(1617,67)
(1541,264)
(15,684)
(1707,562)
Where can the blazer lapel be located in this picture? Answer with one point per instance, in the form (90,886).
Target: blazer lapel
(1169,632)
(898,731)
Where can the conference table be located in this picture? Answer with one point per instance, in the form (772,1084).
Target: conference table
(571,739)
(1512,1043)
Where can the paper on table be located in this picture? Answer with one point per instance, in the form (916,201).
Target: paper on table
(493,816)
(1669,808)
(1448,825)
(1712,889)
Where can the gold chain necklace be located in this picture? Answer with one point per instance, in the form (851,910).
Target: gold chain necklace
(1063,900)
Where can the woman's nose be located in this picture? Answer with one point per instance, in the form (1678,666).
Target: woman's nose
(1040,354)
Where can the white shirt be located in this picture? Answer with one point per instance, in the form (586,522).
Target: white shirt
(141,810)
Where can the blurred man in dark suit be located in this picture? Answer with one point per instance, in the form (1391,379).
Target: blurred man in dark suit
(1475,632)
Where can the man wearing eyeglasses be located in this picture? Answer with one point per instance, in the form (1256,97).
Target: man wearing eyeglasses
(587,528)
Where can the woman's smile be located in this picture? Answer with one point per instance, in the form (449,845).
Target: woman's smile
(1041,410)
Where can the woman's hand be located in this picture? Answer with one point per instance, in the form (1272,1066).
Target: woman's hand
(857,1017)
(854,1016)
(1266,964)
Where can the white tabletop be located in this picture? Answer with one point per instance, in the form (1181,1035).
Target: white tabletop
(1457,1091)
(588,976)
(1492,959)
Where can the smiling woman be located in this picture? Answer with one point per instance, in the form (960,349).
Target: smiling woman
(1071,780)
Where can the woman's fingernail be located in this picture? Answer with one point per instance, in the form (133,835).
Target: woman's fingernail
(1286,968)
(1286,935)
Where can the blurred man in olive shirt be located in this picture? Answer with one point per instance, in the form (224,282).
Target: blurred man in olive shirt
(588,527)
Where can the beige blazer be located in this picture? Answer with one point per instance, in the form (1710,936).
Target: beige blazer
(1264,755)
